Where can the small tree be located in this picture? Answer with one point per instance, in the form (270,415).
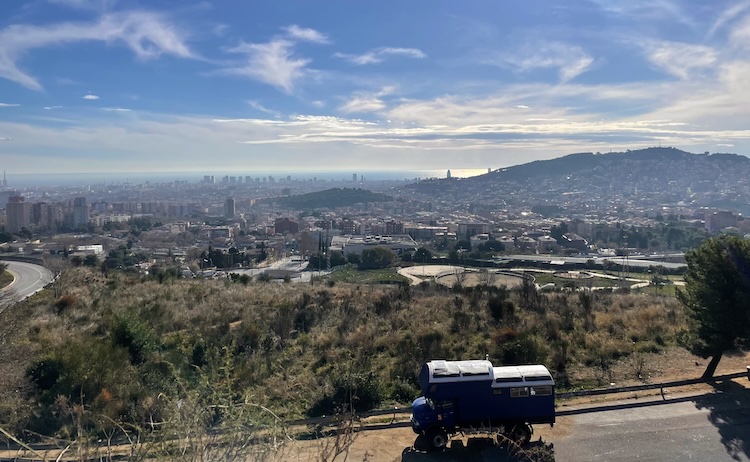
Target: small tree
(377,258)
(422,255)
(337,258)
(717,297)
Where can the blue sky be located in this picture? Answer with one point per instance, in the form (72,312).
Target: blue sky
(108,85)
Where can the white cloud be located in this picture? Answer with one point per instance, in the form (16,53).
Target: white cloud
(378,55)
(259,107)
(570,60)
(647,10)
(270,63)
(296,32)
(366,102)
(147,34)
(362,104)
(739,36)
(49,108)
(9,105)
(116,109)
(680,59)
(90,97)
(728,15)
(319,103)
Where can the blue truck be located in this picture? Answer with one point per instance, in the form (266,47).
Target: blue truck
(470,397)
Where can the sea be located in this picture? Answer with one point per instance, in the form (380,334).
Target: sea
(33,180)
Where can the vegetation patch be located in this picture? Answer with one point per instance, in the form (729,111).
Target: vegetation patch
(352,275)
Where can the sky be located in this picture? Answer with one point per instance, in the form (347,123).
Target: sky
(201,86)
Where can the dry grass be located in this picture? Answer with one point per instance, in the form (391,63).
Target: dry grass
(283,345)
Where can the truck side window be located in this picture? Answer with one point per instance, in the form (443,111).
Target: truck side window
(544,390)
(519,392)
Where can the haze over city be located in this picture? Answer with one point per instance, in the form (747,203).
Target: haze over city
(108,86)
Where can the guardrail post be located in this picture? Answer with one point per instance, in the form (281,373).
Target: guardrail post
(748,372)
(661,388)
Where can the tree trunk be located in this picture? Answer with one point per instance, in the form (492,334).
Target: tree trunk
(711,368)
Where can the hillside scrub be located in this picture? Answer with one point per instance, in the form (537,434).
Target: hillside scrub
(121,345)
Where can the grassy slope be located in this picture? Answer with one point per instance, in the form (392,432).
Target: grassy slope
(286,346)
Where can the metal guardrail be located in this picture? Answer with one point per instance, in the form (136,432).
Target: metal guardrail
(653,386)
(324,420)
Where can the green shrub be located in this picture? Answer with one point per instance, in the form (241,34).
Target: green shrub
(358,391)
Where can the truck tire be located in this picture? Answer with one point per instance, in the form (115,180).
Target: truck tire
(520,434)
(437,439)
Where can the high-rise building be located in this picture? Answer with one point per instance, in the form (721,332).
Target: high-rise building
(354,177)
(18,214)
(229,208)
(449,174)
(5,180)
(81,214)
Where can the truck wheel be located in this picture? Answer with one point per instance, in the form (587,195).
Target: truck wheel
(437,439)
(520,434)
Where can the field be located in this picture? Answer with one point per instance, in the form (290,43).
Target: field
(128,347)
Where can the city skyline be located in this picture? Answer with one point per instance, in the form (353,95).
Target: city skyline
(107,86)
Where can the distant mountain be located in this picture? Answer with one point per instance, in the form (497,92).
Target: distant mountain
(619,161)
(331,198)
(646,176)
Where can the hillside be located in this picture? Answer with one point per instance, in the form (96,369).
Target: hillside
(330,198)
(649,176)
(129,347)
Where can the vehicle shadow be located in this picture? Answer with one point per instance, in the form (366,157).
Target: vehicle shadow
(480,449)
(729,412)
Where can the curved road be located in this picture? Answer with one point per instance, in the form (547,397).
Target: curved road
(28,278)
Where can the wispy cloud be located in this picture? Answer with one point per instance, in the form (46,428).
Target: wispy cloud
(728,15)
(147,34)
(739,36)
(220,30)
(9,105)
(363,102)
(648,10)
(49,108)
(378,55)
(90,97)
(259,107)
(116,109)
(86,4)
(272,63)
(304,34)
(570,60)
(680,59)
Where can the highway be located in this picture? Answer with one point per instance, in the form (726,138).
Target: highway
(28,278)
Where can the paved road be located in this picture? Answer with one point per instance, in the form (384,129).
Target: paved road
(710,428)
(29,278)
(295,266)
(714,427)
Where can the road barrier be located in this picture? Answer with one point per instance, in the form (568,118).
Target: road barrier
(396,410)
